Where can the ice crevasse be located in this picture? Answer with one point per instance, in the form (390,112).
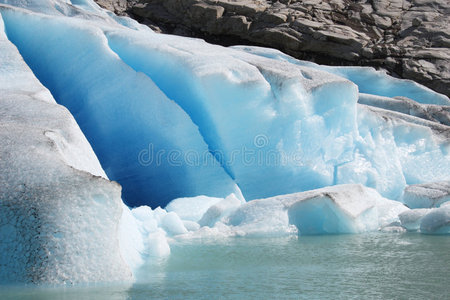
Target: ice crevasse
(229,141)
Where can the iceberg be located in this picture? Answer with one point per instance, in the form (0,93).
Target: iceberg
(117,142)
(437,221)
(427,220)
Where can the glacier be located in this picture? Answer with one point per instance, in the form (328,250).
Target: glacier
(117,141)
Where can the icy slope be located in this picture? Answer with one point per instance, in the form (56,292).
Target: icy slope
(59,214)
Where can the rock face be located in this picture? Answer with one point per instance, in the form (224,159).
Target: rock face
(409,38)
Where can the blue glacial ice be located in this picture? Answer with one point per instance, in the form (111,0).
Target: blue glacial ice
(206,141)
(198,119)
(139,135)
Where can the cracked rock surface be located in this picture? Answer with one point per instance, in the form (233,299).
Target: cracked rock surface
(409,38)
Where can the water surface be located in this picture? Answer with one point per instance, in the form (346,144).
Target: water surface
(364,266)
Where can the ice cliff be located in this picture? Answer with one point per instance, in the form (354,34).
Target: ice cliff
(199,128)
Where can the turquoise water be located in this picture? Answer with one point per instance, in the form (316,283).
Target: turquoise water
(365,266)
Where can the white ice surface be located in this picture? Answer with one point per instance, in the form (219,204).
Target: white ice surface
(59,215)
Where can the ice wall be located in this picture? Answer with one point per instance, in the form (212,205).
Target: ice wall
(173,117)
(256,117)
(143,140)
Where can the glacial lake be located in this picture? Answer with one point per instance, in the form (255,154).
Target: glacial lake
(360,266)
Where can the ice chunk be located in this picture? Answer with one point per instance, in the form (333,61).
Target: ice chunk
(220,211)
(342,209)
(411,219)
(393,228)
(266,217)
(427,195)
(157,245)
(192,209)
(172,224)
(130,239)
(388,210)
(149,229)
(337,209)
(146,218)
(191,225)
(437,221)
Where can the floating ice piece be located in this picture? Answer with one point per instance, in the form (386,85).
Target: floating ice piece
(149,230)
(157,245)
(265,217)
(388,211)
(172,224)
(393,228)
(437,221)
(220,211)
(192,209)
(427,195)
(411,219)
(337,209)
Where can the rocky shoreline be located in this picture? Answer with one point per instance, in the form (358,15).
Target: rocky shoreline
(408,38)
